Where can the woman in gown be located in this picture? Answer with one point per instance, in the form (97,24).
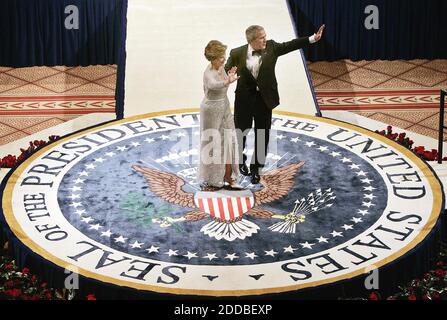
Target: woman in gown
(218,165)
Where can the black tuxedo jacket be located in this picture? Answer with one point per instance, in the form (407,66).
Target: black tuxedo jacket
(266,81)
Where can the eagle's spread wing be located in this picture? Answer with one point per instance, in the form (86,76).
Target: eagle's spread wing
(167,186)
(277,183)
(196,216)
(260,213)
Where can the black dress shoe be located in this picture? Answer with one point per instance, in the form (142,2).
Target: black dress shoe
(255,178)
(243,169)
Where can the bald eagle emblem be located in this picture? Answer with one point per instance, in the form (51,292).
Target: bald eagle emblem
(227,208)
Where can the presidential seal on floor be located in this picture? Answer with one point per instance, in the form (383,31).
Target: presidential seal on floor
(120,204)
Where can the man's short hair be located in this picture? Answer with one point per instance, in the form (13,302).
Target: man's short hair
(252,32)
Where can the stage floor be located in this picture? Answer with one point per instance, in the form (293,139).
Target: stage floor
(165,51)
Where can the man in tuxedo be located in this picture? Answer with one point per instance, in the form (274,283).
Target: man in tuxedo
(257,90)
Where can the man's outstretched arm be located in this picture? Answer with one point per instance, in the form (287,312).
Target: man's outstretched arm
(295,44)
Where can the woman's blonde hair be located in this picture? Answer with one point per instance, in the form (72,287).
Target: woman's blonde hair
(214,49)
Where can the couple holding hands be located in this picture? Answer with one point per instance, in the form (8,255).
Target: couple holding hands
(222,137)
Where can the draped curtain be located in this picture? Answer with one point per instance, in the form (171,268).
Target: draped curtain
(408,29)
(33,33)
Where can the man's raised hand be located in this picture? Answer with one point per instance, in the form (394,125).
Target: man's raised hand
(319,33)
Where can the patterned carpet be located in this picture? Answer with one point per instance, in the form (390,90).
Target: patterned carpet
(33,99)
(400,93)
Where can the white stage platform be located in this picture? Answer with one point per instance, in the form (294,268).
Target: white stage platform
(166,40)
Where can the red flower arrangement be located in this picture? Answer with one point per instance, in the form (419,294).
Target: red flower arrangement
(18,284)
(432,286)
(91,297)
(373,296)
(402,139)
(10,161)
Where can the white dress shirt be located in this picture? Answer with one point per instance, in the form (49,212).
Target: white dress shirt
(253,62)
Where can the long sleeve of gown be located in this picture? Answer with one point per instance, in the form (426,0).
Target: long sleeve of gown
(211,82)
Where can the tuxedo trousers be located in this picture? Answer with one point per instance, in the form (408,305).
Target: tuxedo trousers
(244,114)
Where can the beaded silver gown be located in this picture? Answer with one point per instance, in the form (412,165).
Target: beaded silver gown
(217,132)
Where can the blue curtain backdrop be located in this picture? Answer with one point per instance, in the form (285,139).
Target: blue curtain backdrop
(33,33)
(408,29)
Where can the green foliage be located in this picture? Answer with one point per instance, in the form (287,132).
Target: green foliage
(139,209)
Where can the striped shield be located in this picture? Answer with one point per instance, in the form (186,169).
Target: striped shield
(225,205)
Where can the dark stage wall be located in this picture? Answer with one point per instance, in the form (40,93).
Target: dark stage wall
(47,33)
(407,29)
